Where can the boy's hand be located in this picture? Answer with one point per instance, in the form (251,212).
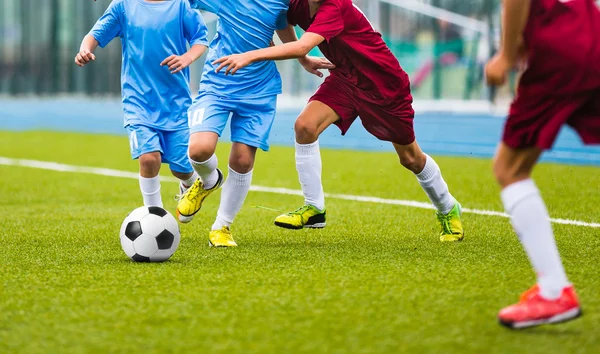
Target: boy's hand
(496,70)
(84,57)
(176,63)
(313,65)
(233,63)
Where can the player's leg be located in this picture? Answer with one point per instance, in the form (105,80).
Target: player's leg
(532,126)
(250,129)
(145,146)
(430,178)
(553,298)
(314,119)
(207,119)
(332,103)
(394,122)
(233,194)
(175,153)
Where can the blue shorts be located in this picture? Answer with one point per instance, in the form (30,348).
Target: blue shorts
(172,145)
(251,119)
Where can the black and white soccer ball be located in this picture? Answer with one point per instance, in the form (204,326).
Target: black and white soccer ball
(150,234)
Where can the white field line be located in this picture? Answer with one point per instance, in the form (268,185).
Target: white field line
(54,166)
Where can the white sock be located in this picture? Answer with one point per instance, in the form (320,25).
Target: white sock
(187,183)
(150,188)
(531,222)
(309,167)
(207,170)
(435,187)
(233,193)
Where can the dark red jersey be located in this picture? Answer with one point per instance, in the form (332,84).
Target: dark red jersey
(562,38)
(360,55)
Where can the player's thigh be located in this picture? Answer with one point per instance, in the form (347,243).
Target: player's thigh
(175,150)
(391,121)
(332,103)
(586,121)
(252,121)
(143,140)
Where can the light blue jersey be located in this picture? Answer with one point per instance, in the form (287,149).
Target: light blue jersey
(151,32)
(244,25)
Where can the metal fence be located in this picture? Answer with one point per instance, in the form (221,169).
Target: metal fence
(41,38)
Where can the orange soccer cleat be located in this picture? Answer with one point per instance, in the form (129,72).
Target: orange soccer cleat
(534,310)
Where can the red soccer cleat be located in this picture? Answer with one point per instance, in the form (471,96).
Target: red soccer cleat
(534,310)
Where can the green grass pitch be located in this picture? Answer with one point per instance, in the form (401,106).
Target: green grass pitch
(376,280)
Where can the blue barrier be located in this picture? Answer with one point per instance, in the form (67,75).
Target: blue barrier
(452,134)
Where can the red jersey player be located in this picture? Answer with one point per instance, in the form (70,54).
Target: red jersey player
(367,81)
(561,85)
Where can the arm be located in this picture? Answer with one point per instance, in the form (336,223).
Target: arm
(514,20)
(176,63)
(86,51)
(196,33)
(292,50)
(105,30)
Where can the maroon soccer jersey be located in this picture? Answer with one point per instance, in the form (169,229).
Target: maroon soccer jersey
(562,82)
(360,55)
(562,38)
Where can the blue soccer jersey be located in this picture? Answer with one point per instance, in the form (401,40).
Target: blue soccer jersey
(244,25)
(150,32)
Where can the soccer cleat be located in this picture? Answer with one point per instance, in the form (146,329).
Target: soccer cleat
(307,216)
(452,229)
(191,201)
(221,238)
(534,310)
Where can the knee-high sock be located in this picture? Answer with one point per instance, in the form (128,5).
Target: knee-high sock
(530,220)
(435,187)
(150,188)
(207,170)
(233,193)
(309,167)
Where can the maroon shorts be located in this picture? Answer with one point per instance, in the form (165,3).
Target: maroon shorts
(536,120)
(389,120)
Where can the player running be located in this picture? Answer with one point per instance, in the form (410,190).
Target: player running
(368,82)
(560,86)
(248,99)
(154,81)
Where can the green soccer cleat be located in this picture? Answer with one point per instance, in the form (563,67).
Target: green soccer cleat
(307,216)
(452,229)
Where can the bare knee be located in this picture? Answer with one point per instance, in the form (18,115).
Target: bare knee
(150,164)
(411,157)
(241,162)
(514,165)
(507,175)
(200,151)
(307,131)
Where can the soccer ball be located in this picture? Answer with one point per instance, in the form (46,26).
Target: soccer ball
(149,234)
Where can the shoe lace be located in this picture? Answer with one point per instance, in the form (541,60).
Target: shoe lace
(192,193)
(303,209)
(300,211)
(445,223)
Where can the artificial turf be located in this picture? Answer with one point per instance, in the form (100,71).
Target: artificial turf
(376,280)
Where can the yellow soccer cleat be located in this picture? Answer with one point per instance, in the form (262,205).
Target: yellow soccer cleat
(452,229)
(221,238)
(307,216)
(191,201)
